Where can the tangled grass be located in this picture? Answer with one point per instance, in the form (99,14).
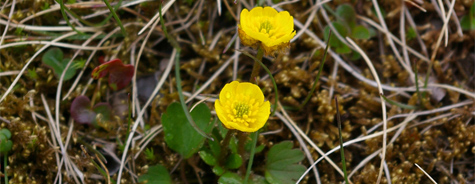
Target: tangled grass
(418,56)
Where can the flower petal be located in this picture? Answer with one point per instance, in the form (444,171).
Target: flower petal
(251,90)
(221,113)
(241,106)
(265,25)
(262,115)
(228,91)
(269,12)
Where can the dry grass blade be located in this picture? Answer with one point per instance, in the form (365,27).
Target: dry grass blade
(141,113)
(31,60)
(433,181)
(390,45)
(383,104)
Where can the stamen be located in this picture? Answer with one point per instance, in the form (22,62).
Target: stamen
(241,109)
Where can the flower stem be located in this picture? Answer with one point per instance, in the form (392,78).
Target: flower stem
(5,166)
(251,156)
(271,78)
(257,67)
(224,145)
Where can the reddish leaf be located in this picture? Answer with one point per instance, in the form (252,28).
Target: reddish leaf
(81,110)
(101,60)
(120,75)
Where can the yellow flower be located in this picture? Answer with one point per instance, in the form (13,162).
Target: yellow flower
(241,106)
(272,29)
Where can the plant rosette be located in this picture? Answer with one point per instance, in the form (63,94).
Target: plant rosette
(82,112)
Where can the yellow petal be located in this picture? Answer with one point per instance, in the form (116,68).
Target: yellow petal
(221,113)
(269,12)
(250,90)
(228,91)
(244,16)
(256,11)
(263,115)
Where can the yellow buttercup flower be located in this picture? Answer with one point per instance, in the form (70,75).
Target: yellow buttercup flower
(272,29)
(241,106)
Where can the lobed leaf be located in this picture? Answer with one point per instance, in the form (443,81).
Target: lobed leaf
(54,59)
(179,134)
(120,75)
(282,163)
(157,174)
(81,110)
(347,13)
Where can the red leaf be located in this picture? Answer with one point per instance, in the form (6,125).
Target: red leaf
(120,75)
(101,59)
(81,110)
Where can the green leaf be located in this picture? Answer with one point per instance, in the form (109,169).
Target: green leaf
(234,161)
(410,34)
(54,59)
(248,147)
(282,163)
(360,32)
(208,157)
(6,133)
(339,46)
(222,130)
(355,56)
(218,170)
(335,42)
(32,74)
(214,145)
(5,143)
(260,148)
(347,14)
(6,146)
(157,174)
(233,178)
(179,134)
(105,110)
(230,178)
(233,145)
(467,23)
(343,49)
(149,155)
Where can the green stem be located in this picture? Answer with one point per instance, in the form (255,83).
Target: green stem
(251,156)
(117,6)
(342,151)
(116,17)
(5,166)
(257,67)
(271,78)
(178,77)
(419,96)
(224,146)
(314,86)
(426,80)
(401,105)
(63,12)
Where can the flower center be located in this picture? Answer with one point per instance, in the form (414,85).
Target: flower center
(241,109)
(266,25)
